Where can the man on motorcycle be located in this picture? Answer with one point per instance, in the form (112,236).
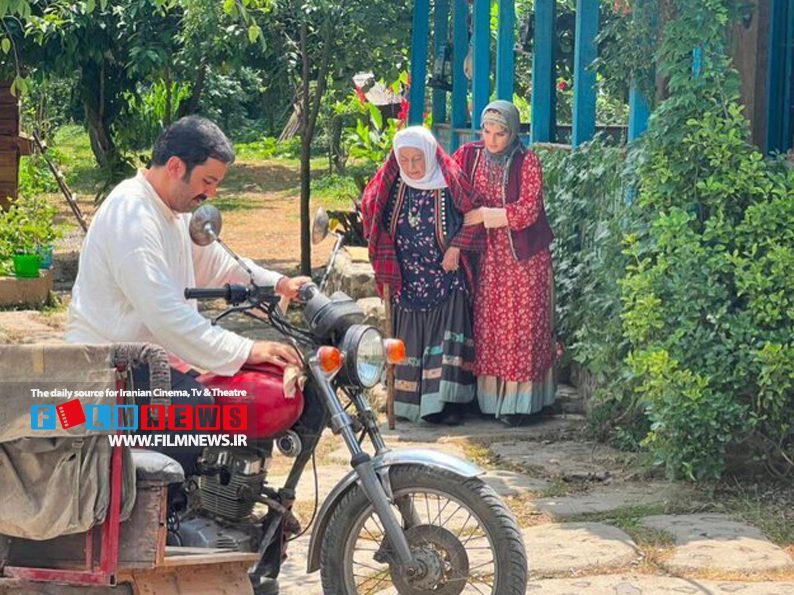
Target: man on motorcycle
(138,258)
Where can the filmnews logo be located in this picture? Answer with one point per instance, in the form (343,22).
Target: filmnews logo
(148,418)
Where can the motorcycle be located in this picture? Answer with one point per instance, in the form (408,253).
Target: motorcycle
(406,521)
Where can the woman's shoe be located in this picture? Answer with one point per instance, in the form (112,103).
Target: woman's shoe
(450,416)
(513,420)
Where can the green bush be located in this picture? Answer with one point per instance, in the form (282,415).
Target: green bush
(35,176)
(269,148)
(683,304)
(26,228)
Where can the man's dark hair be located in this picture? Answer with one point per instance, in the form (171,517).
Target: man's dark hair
(194,140)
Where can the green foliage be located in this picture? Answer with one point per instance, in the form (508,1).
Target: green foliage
(34,175)
(684,311)
(371,138)
(26,228)
(269,148)
(704,298)
(585,194)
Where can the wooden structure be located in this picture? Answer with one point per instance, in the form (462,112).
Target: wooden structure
(763,49)
(12,146)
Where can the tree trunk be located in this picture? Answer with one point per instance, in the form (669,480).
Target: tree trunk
(192,104)
(93,95)
(310,111)
(169,99)
(306,163)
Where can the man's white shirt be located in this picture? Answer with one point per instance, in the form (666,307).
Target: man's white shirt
(136,261)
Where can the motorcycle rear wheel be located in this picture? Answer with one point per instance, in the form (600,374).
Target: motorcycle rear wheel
(438,533)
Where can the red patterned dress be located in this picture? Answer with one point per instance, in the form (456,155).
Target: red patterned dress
(513,316)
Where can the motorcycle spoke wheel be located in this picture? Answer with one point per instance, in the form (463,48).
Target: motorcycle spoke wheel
(458,558)
(454,529)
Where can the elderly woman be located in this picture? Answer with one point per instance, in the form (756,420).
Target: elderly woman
(413,217)
(513,317)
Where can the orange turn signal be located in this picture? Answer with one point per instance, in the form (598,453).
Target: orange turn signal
(395,350)
(330,359)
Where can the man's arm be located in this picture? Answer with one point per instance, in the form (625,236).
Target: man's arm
(142,275)
(215,267)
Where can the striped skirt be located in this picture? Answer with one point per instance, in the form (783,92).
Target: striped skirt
(439,347)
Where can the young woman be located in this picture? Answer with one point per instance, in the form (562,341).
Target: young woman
(413,217)
(513,316)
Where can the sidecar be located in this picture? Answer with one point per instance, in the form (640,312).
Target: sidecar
(79,515)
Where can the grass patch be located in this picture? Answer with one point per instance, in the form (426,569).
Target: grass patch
(766,505)
(627,519)
(71,148)
(559,488)
(335,191)
(233,203)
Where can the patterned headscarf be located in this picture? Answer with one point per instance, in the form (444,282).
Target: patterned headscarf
(419,137)
(505,114)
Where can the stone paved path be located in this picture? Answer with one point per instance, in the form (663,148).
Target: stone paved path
(531,466)
(569,558)
(717,543)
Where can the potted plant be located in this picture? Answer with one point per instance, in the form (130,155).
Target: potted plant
(27,233)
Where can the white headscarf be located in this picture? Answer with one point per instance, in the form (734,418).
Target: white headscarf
(419,137)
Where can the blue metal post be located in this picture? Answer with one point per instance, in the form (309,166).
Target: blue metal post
(778,127)
(440,32)
(505,44)
(544,100)
(639,112)
(584,79)
(419,42)
(460,84)
(481,71)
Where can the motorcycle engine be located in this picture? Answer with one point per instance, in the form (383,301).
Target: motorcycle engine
(231,482)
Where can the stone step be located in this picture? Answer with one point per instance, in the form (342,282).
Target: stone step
(718,543)
(577,548)
(653,585)
(613,497)
(567,460)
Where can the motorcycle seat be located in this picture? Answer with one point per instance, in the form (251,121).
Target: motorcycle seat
(156,467)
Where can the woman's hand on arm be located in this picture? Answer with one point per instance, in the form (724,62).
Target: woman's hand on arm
(494,217)
(473,217)
(451,260)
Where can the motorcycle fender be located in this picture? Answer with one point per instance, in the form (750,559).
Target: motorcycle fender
(426,458)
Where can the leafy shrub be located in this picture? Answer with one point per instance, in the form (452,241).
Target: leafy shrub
(269,148)
(25,228)
(683,304)
(35,176)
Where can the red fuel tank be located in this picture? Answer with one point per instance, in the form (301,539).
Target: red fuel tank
(270,411)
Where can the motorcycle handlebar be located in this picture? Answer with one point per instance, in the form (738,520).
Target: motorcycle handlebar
(233,294)
(207,293)
(307,292)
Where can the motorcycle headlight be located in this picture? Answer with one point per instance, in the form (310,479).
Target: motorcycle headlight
(364,355)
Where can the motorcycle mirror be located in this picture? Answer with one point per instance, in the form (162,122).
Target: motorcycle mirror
(205,225)
(320,226)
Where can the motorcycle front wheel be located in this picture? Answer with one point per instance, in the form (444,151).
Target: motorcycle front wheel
(462,535)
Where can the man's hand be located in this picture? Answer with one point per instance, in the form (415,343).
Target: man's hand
(473,217)
(289,287)
(451,260)
(270,352)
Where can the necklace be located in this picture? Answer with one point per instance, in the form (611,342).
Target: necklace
(413,218)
